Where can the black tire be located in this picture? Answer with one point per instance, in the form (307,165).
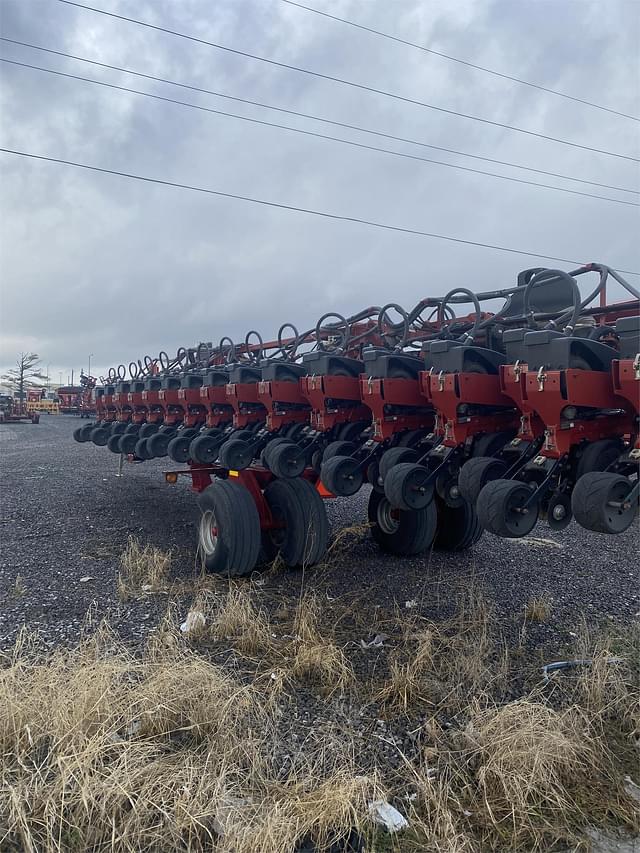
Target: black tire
(598,455)
(205,448)
(178,448)
(141,451)
(99,436)
(394,456)
(591,499)
(287,460)
(236,454)
(229,530)
(86,431)
(147,430)
(244,434)
(400,532)
(373,476)
(458,527)
(351,431)
(476,473)
(265,456)
(158,444)
(127,442)
(497,505)
(81,434)
(338,448)
(316,461)
(342,475)
(407,486)
(114,443)
(132,428)
(296,504)
(491,443)
(411,437)
(117,427)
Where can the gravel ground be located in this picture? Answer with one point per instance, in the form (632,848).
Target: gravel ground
(65,518)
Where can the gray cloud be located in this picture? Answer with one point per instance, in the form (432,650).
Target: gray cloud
(93,263)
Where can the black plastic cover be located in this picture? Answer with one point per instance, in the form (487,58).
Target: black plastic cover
(628,330)
(326,364)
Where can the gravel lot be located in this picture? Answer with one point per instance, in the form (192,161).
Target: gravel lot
(65,518)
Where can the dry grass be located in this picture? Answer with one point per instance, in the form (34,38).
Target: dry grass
(538,609)
(143,568)
(18,587)
(168,751)
(239,620)
(316,658)
(540,774)
(442,665)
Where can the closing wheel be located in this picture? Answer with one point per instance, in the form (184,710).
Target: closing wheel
(351,431)
(501,510)
(476,473)
(141,451)
(82,434)
(458,527)
(373,476)
(338,448)
(114,443)
(236,454)
(265,456)
(287,460)
(99,436)
(148,429)
(301,538)
(158,444)
(178,448)
(490,443)
(229,530)
(342,475)
(598,455)
(398,531)
(394,456)
(600,502)
(407,486)
(204,449)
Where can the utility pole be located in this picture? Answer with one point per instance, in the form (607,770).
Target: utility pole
(90,354)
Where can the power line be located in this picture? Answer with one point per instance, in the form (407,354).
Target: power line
(324,120)
(309,211)
(461,61)
(342,81)
(313,133)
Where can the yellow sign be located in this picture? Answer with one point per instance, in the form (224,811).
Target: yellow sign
(49,407)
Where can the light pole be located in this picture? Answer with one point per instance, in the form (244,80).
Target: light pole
(90,354)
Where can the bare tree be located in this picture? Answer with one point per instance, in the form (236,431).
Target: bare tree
(24,375)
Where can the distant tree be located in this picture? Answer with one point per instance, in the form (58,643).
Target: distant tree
(24,375)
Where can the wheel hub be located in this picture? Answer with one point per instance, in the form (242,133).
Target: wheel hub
(387,517)
(208,532)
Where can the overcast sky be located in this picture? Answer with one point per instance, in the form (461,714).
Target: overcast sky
(104,265)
